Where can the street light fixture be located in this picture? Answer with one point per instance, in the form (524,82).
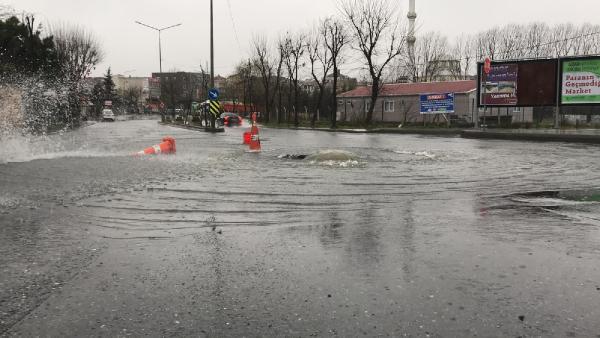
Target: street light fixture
(159,30)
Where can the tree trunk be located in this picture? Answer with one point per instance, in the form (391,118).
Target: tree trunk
(296,121)
(280,106)
(374,95)
(267,103)
(318,108)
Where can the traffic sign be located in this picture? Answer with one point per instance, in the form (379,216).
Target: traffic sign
(215,108)
(213,94)
(487,66)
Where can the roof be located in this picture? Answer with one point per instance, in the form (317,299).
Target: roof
(407,89)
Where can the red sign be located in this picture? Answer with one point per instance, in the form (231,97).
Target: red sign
(487,66)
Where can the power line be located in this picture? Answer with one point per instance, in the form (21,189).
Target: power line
(507,52)
(234,27)
(550,43)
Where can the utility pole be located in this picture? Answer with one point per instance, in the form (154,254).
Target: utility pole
(212,48)
(213,118)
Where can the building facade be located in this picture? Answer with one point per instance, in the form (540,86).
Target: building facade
(400,103)
(180,89)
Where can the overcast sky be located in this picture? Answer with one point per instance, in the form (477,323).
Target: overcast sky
(133,50)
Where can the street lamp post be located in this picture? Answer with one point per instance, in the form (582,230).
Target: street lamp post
(159,30)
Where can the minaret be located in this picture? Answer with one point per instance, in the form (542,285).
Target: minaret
(411,39)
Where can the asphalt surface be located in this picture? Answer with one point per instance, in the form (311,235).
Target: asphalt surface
(412,236)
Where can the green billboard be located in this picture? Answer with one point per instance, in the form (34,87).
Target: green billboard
(581,81)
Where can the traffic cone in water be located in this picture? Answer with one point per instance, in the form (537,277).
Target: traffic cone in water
(166,147)
(254,137)
(247,137)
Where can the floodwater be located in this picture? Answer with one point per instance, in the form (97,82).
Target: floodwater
(414,235)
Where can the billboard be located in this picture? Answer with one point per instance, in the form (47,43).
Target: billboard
(500,85)
(437,103)
(523,83)
(580,81)
(154,86)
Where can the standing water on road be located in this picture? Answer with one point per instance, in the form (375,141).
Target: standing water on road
(373,234)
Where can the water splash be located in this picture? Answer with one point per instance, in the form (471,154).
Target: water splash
(341,164)
(425,154)
(18,148)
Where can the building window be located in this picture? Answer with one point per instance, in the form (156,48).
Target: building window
(388,106)
(367,106)
(517,110)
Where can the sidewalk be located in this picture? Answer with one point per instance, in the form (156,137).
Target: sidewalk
(422,131)
(540,135)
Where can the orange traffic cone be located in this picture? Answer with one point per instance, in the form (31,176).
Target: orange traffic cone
(254,139)
(166,147)
(247,137)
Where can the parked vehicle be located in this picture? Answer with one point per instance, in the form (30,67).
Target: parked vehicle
(231,119)
(108,115)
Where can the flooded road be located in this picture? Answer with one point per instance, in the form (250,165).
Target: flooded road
(414,235)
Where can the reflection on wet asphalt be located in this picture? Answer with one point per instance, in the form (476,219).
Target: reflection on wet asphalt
(414,236)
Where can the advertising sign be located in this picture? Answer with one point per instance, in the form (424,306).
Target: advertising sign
(437,103)
(499,87)
(154,84)
(523,83)
(581,81)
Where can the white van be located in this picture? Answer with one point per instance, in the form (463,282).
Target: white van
(108,115)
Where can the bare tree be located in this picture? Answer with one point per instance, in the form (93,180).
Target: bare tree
(430,58)
(510,41)
(263,61)
(131,98)
(320,63)
(487,44)
(295,47)
(78,52)
(537,40)
(282,56)
(464,51)
(245,81)
(376,31)
(336,38)
(587,43)
(562,34)
(204,81)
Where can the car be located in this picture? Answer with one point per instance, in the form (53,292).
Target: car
(108,115)
(231,119)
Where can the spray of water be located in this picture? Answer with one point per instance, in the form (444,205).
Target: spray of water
(33,107)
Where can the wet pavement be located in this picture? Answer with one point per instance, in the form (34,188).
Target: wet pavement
(412,236)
